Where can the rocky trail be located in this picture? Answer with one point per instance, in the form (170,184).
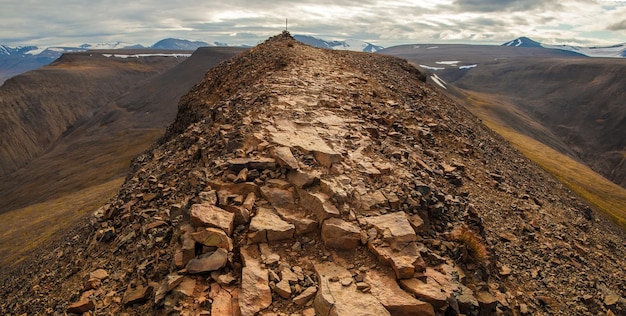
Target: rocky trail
(302,181)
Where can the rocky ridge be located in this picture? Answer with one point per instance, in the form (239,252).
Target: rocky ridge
(302,181)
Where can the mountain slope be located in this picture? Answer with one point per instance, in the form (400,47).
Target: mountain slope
(37,107)
(283,181)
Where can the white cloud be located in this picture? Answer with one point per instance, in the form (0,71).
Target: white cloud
(245,21)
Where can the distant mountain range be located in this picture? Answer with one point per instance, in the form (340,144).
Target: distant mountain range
(17,60)
(614,51)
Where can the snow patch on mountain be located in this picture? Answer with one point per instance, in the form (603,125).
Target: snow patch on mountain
(614,51)
(349,44)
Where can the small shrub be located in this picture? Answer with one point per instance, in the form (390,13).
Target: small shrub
(471,243)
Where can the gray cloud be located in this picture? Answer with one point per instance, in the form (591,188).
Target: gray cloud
(618,26)
(498,5)
(54,22)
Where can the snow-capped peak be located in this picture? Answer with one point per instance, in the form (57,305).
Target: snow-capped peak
(614,51)
(349,44)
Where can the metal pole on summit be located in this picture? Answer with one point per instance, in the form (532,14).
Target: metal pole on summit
(286,30)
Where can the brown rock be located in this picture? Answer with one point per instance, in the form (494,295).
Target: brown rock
(213,237)
(302,179)
(405,261)
(303,224)
(255,292)
(398,302)
(305,296)
(319,204)
(186,287)
(81,307)
(99,274)
(506,236)
(340,234)
(138,295)
(486,302)
(417,222)
(170,282)
(222,303)
(277,197)
(334,190)
(335,299)
(426,292)
(206,215)
(284,157)
(267,226)
(283,289)
(394,227)
(237,164)
(208,262)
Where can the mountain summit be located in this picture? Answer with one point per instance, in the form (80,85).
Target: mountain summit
(298,180)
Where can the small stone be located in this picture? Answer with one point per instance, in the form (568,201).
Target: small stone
(340,234)
(283,289)
(99,274)
(302,179)
(506,236)
(284,157)
(186,287)
(426,292)
(305,296)
(611,299)
(208,262)
(505,271)
(318,203)
(81,307)
(346,281)
(139,295)
(170,282)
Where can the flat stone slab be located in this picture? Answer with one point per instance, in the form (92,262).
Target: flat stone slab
(339,234)
(398,302)
(426,292)
(255,290)
(206,215)
(267,226)
(318,203)
(333,298)
(395,227)
(279,198)
(405,261)
(284,157)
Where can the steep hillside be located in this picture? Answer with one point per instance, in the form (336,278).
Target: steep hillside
(310,181)
(82,167)
(575,105)
(38,106)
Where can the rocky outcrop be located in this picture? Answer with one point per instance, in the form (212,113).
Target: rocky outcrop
(287,186)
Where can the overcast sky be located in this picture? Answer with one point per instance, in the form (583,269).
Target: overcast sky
(386,23)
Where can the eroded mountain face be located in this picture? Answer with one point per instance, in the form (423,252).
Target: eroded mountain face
(304,181)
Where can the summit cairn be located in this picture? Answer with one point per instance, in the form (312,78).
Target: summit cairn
(303,181)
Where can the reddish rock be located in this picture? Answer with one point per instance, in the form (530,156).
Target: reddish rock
(138,295)
(206,215)
(255,292)
(335,299)
(319,204)
(277,197)
(267,226)
(81,307)
(398,302)
(213,237)
(427,292)
(339,234)
(208,262)
(284,157)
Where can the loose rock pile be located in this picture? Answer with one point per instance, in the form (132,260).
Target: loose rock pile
(300,181)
